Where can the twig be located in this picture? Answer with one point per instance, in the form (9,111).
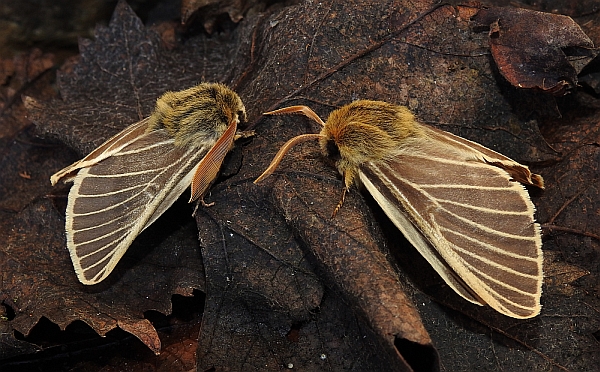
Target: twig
(570,230)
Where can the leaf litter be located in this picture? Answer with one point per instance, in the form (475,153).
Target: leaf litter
(285,285)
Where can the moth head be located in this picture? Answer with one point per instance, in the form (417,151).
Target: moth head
(354,134)
(229,103)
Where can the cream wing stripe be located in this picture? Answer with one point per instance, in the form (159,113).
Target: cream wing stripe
(436,200)
(490,247)
(483,209)
(124,234)
(500,283)
(86,242)
(464,187)
(492,263)
(488,229)
(144,149)
(134,196)
(489,295)
(98,226)
(478,161)
(416,238)
(111,146)
(128,174)
(116,192)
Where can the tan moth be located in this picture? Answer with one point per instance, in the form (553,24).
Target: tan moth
(126,183)
(462,205)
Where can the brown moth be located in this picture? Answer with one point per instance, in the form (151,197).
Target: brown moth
(462,205)
(129,181)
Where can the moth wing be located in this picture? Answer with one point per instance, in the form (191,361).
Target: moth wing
(518,171)
(470,219)
(111,146)
(112,201)
(210,164)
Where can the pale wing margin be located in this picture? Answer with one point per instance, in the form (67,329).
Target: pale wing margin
(114,200)
(111,146)
(469,220)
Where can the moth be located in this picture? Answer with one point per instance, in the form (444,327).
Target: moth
(129,181)
(460,204)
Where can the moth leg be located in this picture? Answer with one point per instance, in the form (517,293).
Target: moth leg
(244,134)
(203,203)
(348,176)
(206,205)
(339,205)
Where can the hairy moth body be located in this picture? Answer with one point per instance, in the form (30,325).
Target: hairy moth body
(126,183)
(462,205)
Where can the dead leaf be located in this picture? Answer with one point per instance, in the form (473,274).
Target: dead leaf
(28,73)
(275,264)
(143,330)
(261,285)
(12,347)
(430,59)
(561,275)
(208,12)
(17,75)
(37,226)
(179,347)
(50,25)
(537,50)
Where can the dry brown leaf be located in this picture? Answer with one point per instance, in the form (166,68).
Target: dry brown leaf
(209,10)
(530,48)
(144,330)
(286,285)
(210,13)
(24,72)
(41,281)
(561,275)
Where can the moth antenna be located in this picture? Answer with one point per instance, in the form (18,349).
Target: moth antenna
(339,205)
(283,150)
(298,109)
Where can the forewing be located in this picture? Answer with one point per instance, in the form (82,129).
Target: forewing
(209,166)
(469,219)
(115,199)
(517,171)
(115,144)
